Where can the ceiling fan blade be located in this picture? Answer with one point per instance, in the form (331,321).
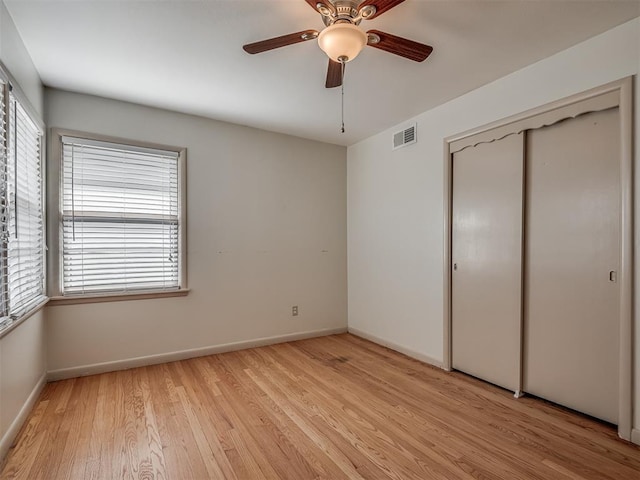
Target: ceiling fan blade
(381,6)
(283,41)
(334,74)
(326,3)
(415,51)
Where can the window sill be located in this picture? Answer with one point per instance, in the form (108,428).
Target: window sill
(16,323)
(56,301)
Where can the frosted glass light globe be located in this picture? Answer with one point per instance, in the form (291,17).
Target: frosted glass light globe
(342,41)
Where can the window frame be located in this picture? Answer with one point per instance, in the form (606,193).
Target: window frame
(9,86)
(55,222)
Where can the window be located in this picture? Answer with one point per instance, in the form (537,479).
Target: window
(25,216)
(22,246)
(122,219)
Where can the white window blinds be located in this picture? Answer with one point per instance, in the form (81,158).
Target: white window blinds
(25,222)
(4,308)
(120,218)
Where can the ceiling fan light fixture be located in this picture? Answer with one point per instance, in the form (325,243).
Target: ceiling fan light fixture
(342,41)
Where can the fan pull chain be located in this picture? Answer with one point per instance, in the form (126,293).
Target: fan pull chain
(342,62)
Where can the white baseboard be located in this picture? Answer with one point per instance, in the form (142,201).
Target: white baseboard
(635,436)
(398,348)
(12,432)
(125,364)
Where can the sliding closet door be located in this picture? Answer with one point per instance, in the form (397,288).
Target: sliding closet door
(573,222)
(487,256)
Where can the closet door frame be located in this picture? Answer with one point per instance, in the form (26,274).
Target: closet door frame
(615,94)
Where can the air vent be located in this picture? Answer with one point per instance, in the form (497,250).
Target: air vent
(405,137)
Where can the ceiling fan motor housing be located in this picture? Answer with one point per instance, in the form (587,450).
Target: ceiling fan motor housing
(344,10)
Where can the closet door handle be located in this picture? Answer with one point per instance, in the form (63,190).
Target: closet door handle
(613,276)
(455,266)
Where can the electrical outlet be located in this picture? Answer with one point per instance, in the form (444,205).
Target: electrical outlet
(294,310)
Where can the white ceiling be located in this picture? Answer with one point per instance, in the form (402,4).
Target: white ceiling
(187,56)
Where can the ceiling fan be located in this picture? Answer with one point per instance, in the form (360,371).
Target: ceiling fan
(342,40)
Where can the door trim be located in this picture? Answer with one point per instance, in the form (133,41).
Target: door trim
(599,98)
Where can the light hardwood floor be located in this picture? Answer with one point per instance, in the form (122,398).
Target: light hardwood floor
(328,408)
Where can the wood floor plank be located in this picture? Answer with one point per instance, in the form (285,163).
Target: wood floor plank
(100,446)
(270,455)
(340,408)
(76,423)
(504,411)
(396,426)
(164,396)
(329,408)
(457,426)
(205,425)
(179,436)
(299,458)
(477,425)
(30,443)
(356,452)
(57,396)
(331,462)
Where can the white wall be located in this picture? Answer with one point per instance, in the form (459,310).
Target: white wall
(266,231)
(15,57)
(22,350)
(22,375)
(395,199)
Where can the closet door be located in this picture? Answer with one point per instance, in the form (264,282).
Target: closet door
(486,285)
(572,313)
